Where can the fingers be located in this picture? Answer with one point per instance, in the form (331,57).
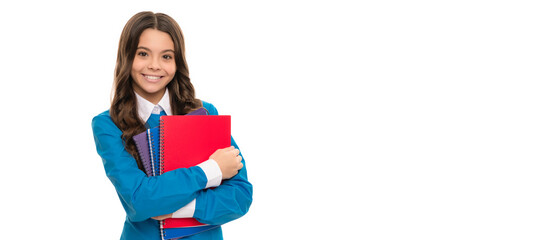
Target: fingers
(239,162)
(229,161)
(241,166)
(224,150)
(238,159)
(229,148)
(162,217)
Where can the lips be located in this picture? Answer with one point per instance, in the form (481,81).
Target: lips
(152,78)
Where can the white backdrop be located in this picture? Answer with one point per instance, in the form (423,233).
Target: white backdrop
(358,119)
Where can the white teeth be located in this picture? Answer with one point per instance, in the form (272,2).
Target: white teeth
(152,77)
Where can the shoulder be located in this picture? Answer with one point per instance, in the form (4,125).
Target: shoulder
(102,117)
(210,107)
(103,121)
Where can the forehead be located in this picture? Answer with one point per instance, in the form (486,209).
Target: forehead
(155,40)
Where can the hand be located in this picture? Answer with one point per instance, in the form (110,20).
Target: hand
(228,160)
(162,217)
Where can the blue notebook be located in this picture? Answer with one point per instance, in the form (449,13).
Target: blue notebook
(172,233)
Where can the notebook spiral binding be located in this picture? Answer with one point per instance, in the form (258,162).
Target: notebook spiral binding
(162,147)
(149,136)
(162,232)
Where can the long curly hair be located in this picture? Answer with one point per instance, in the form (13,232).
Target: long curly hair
(123,109)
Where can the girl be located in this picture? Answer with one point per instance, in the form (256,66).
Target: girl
(151,79)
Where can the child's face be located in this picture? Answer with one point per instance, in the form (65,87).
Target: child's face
(153,65)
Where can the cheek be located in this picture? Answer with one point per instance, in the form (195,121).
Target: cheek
(170,68)
(137,66)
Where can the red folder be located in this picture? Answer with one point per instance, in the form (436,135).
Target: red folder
(187,141)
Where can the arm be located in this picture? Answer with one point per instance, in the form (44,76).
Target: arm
(235,206)
(142,197)
(229,201)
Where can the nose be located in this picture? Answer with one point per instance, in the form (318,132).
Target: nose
(154,64)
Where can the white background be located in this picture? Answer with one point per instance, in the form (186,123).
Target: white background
(357,119)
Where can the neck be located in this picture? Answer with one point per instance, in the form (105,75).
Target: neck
(151,97)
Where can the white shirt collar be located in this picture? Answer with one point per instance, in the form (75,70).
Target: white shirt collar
(145,108)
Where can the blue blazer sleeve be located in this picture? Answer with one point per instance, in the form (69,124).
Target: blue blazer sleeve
(142,197)
(230,200)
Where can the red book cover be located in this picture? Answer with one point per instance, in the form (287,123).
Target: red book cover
(187,141)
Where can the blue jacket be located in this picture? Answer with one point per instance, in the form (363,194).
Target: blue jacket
(144,197)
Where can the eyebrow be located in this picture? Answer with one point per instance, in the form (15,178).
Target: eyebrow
(166,50)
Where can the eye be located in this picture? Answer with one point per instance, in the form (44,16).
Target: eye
(167,57)
(142,54)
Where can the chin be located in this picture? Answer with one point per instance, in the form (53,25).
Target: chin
(153,90)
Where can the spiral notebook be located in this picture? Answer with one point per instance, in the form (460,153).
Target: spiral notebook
(170,233)
(141,142)
(187,141)
(148,147)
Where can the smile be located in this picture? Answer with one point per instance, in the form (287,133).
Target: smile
(152,78)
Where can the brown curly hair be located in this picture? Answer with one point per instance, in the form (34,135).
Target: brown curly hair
(123,109)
